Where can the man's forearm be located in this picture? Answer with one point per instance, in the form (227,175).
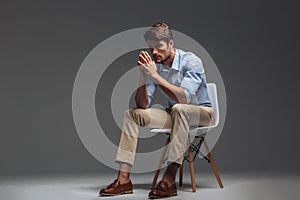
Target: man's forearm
(141,97)
(172,91)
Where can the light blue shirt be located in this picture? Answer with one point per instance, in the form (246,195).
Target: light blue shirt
(186,72)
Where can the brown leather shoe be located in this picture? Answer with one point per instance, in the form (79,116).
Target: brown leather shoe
(116,188)
(162,190)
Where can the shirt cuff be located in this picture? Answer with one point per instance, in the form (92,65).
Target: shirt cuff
(188,95)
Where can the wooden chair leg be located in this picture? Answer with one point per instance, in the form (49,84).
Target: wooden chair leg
(213,165)
(192,171)
(181,174)
(160,163)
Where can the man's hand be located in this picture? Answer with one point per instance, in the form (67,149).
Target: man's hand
(147,65)
(140,62)
(141,97)
(148,68)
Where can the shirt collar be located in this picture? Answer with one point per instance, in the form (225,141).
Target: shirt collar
(175,63)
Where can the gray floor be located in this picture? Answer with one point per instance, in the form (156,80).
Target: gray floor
(85,187)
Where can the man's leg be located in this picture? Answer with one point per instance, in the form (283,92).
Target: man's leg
(183,117)
(124,173)
(133,119)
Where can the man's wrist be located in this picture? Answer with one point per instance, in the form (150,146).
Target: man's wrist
(143,78)
(155,77)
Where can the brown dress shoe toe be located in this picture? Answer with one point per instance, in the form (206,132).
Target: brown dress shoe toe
(116,188)
(162,190)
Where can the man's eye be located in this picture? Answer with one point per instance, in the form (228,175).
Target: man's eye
(158,46)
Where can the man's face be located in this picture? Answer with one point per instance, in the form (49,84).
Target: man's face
(160,50)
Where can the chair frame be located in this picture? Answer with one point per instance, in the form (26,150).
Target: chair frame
(193,148)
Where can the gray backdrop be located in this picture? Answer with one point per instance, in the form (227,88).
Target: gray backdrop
(255,45)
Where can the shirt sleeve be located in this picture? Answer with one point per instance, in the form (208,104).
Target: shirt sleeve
(191,81)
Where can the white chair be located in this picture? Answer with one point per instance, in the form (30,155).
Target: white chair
(200,133)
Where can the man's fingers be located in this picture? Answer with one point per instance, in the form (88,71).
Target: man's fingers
(148,56)
(141,64)
(142,58)
(145,56)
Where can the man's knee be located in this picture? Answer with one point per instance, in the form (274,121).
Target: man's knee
(179,109)
(139,116)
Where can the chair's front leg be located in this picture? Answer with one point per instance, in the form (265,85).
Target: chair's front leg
(192,171)
(181,174)
(213,165)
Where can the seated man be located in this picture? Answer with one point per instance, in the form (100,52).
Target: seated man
(180,75)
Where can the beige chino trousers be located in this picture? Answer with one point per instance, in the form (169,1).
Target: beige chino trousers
(179,119)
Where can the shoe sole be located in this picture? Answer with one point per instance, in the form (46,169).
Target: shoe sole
(158,197)
(124,192)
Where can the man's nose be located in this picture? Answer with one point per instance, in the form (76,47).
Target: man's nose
(153,51)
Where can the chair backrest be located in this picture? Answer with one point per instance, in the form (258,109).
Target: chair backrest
(212,93)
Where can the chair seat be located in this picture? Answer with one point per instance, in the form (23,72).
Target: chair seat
(193,132)
(160,130)
(168,130)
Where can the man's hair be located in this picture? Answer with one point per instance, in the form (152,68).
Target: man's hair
(159,31)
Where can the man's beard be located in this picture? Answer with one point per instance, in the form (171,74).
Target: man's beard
(164,60)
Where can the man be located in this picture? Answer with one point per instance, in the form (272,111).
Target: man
(180,75)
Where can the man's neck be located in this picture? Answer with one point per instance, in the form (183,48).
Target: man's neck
(169,61)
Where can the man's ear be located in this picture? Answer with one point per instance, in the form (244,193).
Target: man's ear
(171,43)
